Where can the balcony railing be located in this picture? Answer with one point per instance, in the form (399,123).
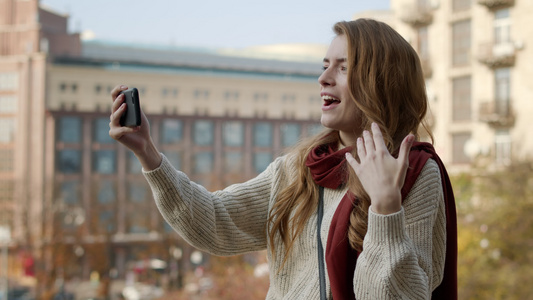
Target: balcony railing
(496,4)
(497,113)
(497,55)
(417,15)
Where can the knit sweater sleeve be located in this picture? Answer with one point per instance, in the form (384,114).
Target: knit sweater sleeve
(403,253)
(226,222)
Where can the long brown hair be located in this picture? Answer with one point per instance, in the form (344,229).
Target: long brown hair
(387,85)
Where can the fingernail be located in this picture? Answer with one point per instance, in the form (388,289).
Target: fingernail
(123,87)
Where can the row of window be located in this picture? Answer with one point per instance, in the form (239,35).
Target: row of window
(203,132)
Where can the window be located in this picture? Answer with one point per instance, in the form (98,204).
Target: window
(7,130)
(174,157)
(136,192)
(233,133)
(69,161)
(138,222)
(263,134)
(104,161)
(9,81)
(134,166)
(314,129)
(70,192)
(261,161)
(290,134)
(423,46)
(8,104)
(502,26)
(106,220)
(461,43)
(101,131)
(106,192)
(462,94)
(458,152)
(502,85)
(69,130)
(203,162)
(460,5)
(233,162)
(203,133)
(171,131)
(502,147)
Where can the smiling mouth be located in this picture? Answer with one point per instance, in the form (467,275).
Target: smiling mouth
(328,100)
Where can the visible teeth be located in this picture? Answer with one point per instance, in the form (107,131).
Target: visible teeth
(329,98)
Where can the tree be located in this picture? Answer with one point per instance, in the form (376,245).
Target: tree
(495,233)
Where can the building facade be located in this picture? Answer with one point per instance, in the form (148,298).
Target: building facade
(75,200)
(476,56)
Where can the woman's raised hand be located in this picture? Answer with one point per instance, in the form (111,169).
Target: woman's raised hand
(137,139)
(381,175)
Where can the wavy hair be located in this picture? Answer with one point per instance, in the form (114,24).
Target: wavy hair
(387,85)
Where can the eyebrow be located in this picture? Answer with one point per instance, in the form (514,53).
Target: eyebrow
(339,60)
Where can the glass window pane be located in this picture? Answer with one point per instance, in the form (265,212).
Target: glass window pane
(106,193)
(314,129)
(104,161)
(106,220)
(261,161)
(203,133)
(233,133)
(134,165)
(70,130)
(8,104)
(461,40)
(101,131)
(69,192)
(6,160)
(290,134)
(263,134)
(7,130)
(138,222)
(174,158)
(69,161)
(136,192)
(233,162)
(171,131)
(462,99)
(203,162)
(458,142)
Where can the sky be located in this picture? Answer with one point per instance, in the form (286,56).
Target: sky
(211,23)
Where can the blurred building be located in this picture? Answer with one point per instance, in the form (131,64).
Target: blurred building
(74,199)
(477,57)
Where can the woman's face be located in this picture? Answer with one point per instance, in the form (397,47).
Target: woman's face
(339,111)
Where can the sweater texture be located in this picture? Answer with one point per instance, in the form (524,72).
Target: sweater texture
(403,256)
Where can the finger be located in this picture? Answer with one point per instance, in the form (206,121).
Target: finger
(379,142)
(369,142)
(117,103)
(405,148)
(115,116)
(118,132)
(361,151)
(116,90)
(352,161)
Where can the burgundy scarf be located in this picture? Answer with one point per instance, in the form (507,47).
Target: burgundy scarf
(328,168)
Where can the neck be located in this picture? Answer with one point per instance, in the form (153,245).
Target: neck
(347,138)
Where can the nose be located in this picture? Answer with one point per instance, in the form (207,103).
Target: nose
(326,78)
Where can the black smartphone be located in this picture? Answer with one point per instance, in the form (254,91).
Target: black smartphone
(132,116)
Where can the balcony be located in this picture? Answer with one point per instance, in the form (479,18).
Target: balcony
(416,15)
(497,113)
(496,4)
(497,55)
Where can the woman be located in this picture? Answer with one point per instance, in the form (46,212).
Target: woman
(340,216)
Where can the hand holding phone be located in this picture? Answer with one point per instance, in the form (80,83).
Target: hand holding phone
(132,116)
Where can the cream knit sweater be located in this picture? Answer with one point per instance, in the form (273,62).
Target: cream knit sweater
(403,256)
